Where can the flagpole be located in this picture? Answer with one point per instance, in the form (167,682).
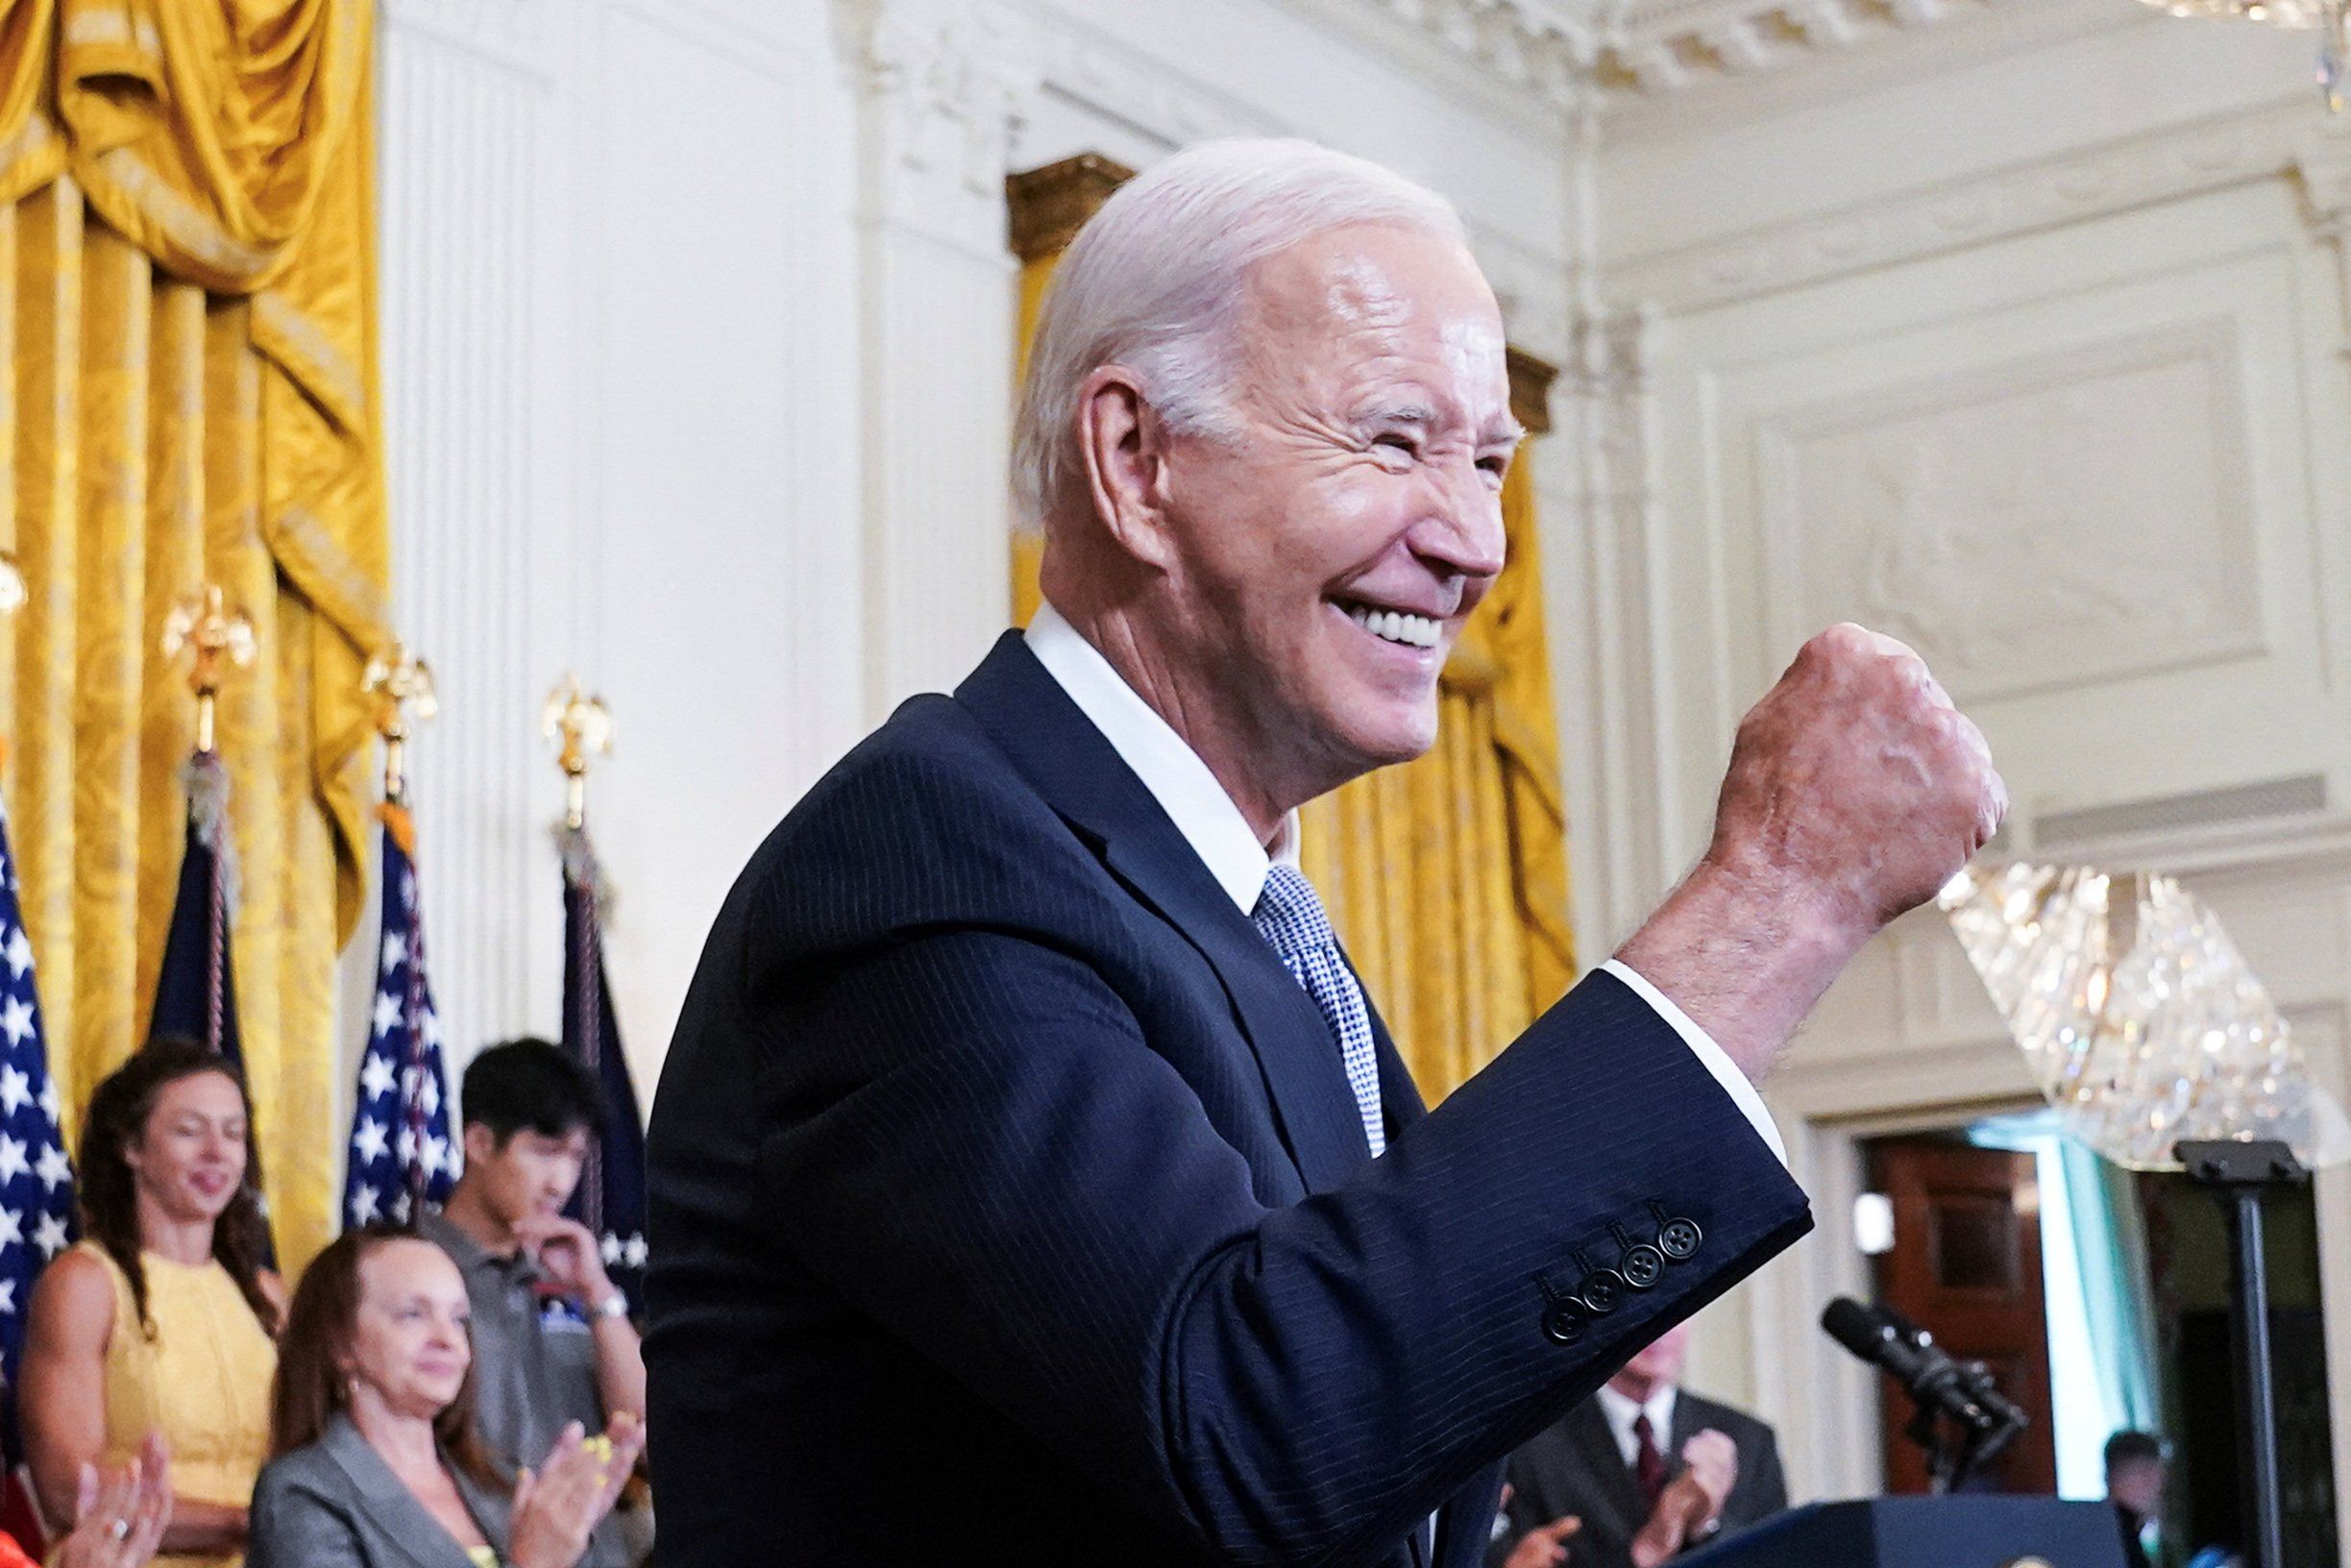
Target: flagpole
(216,637)
(212,634)
(611,1195)
(399,684)
(580,725)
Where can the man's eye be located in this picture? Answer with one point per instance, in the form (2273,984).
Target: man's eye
(1396,445)
(1495,468)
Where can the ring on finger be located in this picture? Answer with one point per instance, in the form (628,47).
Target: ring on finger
(118,1528)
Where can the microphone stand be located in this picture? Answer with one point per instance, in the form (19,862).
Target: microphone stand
(2239,1175)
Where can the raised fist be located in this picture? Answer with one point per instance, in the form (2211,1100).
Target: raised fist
(1856,780)
(1855,791)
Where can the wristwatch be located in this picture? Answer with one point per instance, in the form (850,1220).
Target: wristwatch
(615,1305)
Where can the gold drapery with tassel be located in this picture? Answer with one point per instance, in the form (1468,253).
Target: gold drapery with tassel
(1446,877)
(187,243)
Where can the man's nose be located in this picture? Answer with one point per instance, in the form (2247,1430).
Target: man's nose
(1463,533)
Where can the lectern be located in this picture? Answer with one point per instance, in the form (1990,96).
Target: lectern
(1924,1533)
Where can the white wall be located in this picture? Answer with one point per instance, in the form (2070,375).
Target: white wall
(2032,352)
(622,375)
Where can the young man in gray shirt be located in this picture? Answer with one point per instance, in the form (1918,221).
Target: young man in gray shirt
(552,1341)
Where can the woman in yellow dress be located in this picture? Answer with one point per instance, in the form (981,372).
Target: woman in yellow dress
(162,1320)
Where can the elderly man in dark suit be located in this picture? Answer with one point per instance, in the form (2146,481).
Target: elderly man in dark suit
(1032,1181)
(1638,1472)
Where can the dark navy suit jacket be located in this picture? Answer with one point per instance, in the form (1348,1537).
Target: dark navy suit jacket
(1009,1203)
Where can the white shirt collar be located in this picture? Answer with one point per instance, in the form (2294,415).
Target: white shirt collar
(1621,1412)
(1167,765)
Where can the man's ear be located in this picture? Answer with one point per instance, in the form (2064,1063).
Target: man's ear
(480,1142)
(1125,449)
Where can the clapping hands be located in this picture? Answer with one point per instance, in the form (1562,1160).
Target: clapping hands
(119,1516)
(1691,1502)
(557,1508)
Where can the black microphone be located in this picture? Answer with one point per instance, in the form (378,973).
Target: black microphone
(1909,1355)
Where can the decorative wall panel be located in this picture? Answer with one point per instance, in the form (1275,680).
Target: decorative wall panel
(2044,523)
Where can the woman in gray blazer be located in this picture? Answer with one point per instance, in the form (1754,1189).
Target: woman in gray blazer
(376,1463)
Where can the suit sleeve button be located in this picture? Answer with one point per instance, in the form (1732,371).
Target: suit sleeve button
(1678,1238)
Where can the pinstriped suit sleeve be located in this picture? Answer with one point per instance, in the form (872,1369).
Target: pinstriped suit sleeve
(972,1138)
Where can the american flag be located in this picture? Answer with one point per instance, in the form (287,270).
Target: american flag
(401,1151)
(37,1216)
(611,1196)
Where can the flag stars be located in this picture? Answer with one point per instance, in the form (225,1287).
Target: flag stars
(15,1089)
(369,1141)
(11,1229)
(387,1013)
(53,1167)
(376,1076)
(634,1251)
(12,1163)
(362,1204)
(15,1019)
(18,951)
(395,951)
(49,1103)
(50,1235)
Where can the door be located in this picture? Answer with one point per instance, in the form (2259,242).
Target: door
(1966,1267)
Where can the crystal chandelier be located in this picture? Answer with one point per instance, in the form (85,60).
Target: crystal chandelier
(2332,18)
(2139,1019)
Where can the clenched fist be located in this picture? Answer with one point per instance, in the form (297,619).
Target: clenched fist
(1855,779)
(1855,791)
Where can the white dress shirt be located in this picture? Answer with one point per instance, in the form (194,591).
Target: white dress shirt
(1623,1411)
(1188,792)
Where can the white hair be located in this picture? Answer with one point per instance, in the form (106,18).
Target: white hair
(1155,280)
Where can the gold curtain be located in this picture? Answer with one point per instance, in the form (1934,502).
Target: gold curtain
(1446,877)
(187,243)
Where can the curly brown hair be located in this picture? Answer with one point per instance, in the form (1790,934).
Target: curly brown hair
(109,1191)
(311,1386)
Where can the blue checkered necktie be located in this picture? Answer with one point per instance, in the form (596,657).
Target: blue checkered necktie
(1292,917)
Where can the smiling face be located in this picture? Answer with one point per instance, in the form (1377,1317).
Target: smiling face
(1316,557)
(410,1341)
(189,1156)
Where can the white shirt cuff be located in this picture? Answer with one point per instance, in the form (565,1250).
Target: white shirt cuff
(1725,1071)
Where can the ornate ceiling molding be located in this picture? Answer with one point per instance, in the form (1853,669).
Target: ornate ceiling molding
(1567,54)
(2161,165)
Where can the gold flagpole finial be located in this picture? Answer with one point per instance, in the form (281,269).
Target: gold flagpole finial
(578,725)
(400,686)
(210,632)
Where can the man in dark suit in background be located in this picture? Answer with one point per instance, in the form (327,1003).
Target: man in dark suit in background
(1644,1468)
(1031,1180)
